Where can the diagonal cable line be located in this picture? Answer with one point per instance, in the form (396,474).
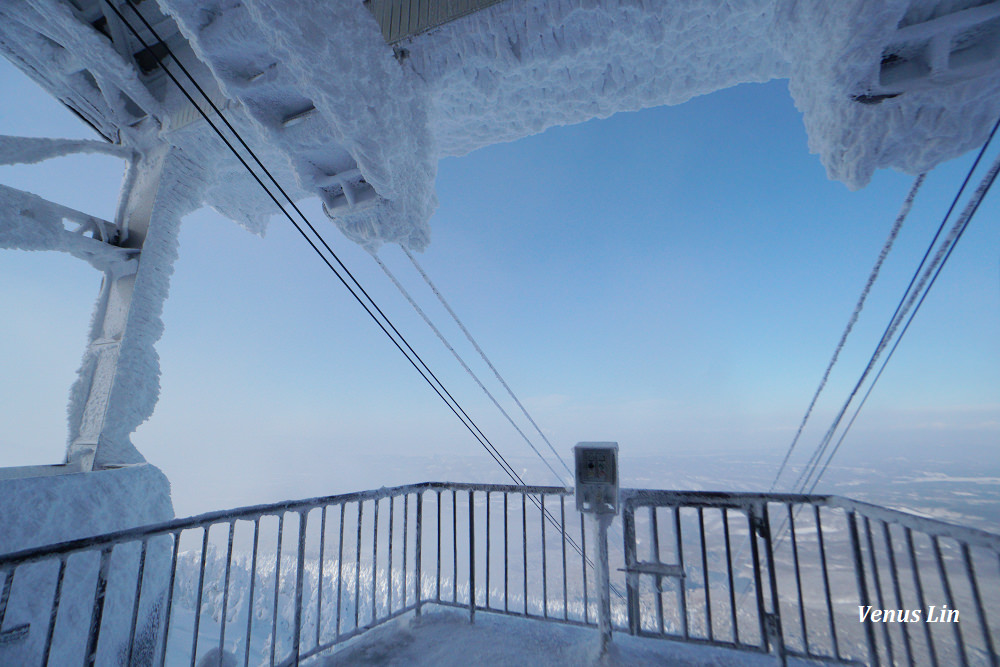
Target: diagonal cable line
(482,354)
(453,405)
(906,302)
(872,277)
(425,370)
(923,284)
(927,281)
(944,252)
(461,361)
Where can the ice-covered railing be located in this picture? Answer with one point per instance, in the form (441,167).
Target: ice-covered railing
(286,583)
(279,584)
(817,577)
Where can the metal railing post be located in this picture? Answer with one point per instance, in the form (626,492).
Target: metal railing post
(879,597)
(487,582)
(253,581)
(798,579)
(340,571)
(774,621)
(454,546)
(897,589)
(826,583)
(357,566)
(949,599)
(437,576)
(418,549)
(632,579)
(859,574)
(136,601)
(562,530)
(299,575)
(277,584)
(729,576)
(201,589)
(603,521)
(170,596)
(225,588)
(583,571)
(375,560)
(8,582)
(918,585)
(977,599)
(406,540)
(506,557)
(98,610)
(545,563)
(319,573)
(704,575)
(472,559)
(524,547)
(392,523)
(54,611)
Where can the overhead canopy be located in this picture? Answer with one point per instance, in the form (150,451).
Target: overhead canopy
(336,111)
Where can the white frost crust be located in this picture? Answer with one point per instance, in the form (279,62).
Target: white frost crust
(136,383)
(31,150)
(110,70)
(521,66)
(28,222)
(329,54)
(224,183)
(505,72)
(38,511)
(912,133)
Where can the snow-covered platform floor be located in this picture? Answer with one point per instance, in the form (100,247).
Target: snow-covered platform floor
(442,637)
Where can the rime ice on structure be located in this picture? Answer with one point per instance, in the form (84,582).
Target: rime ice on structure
(335,112)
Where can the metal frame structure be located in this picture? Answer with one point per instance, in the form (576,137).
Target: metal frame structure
(954,47)
(334,567)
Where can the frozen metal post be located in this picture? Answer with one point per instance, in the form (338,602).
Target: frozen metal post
(597,494)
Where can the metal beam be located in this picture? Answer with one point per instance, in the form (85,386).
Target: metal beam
(143,199)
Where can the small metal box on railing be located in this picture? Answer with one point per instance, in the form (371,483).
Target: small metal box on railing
(596,477)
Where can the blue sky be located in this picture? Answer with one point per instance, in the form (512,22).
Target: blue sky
(673,279)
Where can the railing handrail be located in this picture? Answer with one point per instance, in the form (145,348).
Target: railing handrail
(251,512)
(630,498)
(734,499)
(755,510)
(976,537)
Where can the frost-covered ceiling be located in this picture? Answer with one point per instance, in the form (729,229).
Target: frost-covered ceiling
(336,112)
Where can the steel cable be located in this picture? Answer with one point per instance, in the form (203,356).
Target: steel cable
(442,392)
(453,405)
(482,354)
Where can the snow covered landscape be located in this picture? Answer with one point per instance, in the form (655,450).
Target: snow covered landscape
(272,113)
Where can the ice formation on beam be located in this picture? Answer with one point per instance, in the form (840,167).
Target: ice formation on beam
(337,113)
(521,66)
(28,222)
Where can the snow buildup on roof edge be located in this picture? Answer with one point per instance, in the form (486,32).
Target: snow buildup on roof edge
(521,66)
(331,52)
(913,132)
